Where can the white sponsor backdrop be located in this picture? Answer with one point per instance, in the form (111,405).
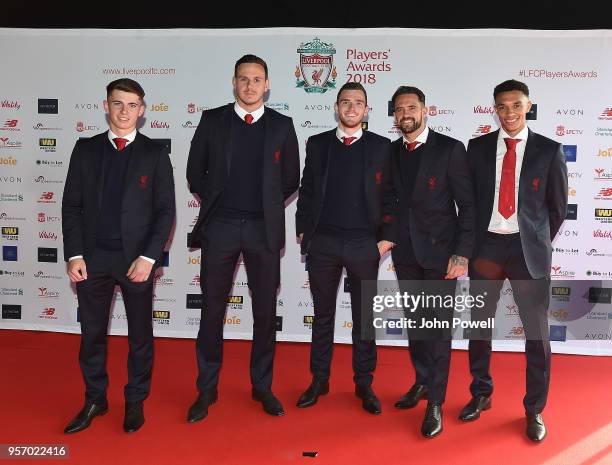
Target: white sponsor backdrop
(185,71)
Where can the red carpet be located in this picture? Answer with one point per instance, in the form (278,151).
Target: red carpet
(41,390)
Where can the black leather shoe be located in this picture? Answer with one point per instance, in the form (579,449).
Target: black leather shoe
(432,423)
(199,409)
(85,416)
(134,417)
(536,431)
(309,397)
(370,402)
(473,408)
(412,397)
(270,403)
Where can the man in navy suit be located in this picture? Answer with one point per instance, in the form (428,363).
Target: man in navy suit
(520,182)
(117,213)
(343,212)
(435,230)
(243,164)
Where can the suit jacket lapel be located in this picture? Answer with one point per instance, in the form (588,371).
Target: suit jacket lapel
(369,176)
(396,153)
(225,136)
(489,166)
(528,159)
(130,170)
(268,146)
(102,164)
(326,161)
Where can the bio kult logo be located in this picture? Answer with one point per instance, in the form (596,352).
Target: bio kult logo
(316,71)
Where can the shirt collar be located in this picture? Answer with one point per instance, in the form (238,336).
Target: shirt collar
(130,137)
(357,135)
(241,112)
(421,138)
(523,134)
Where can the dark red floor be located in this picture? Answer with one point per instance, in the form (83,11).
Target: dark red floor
(41,389)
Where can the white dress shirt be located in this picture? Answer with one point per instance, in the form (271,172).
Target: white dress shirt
(421,138)
(498,223)
(130,137)
(357,135)
(242,112)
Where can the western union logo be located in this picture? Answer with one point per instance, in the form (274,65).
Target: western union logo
(561,291)
(308,319)
(161,314)
(10,231)
(46,142)
(603,213)
(235,299)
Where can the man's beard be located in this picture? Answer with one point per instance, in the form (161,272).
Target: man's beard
(407,127)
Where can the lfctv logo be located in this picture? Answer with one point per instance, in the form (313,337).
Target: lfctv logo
(193,108)
(434,110)
(83,127)
(563,131)
(43,218)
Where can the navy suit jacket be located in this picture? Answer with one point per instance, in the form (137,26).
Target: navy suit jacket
(542,196)
(210,159)
(377,185)
(439,214)
(147,208)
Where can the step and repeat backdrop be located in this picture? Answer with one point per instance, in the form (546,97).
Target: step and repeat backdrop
(51,93)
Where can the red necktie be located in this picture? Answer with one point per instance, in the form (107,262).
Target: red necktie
(410,146)
(120,143)
(348,140)
(248,118)
(505,203)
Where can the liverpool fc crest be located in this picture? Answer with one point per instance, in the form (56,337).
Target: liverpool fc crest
(316,72)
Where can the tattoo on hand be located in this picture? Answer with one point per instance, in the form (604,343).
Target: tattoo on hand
(458,260)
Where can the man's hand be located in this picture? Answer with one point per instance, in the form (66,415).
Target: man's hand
(300,238)
(77,271)
(457,266)
(384,247)
(139,271)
